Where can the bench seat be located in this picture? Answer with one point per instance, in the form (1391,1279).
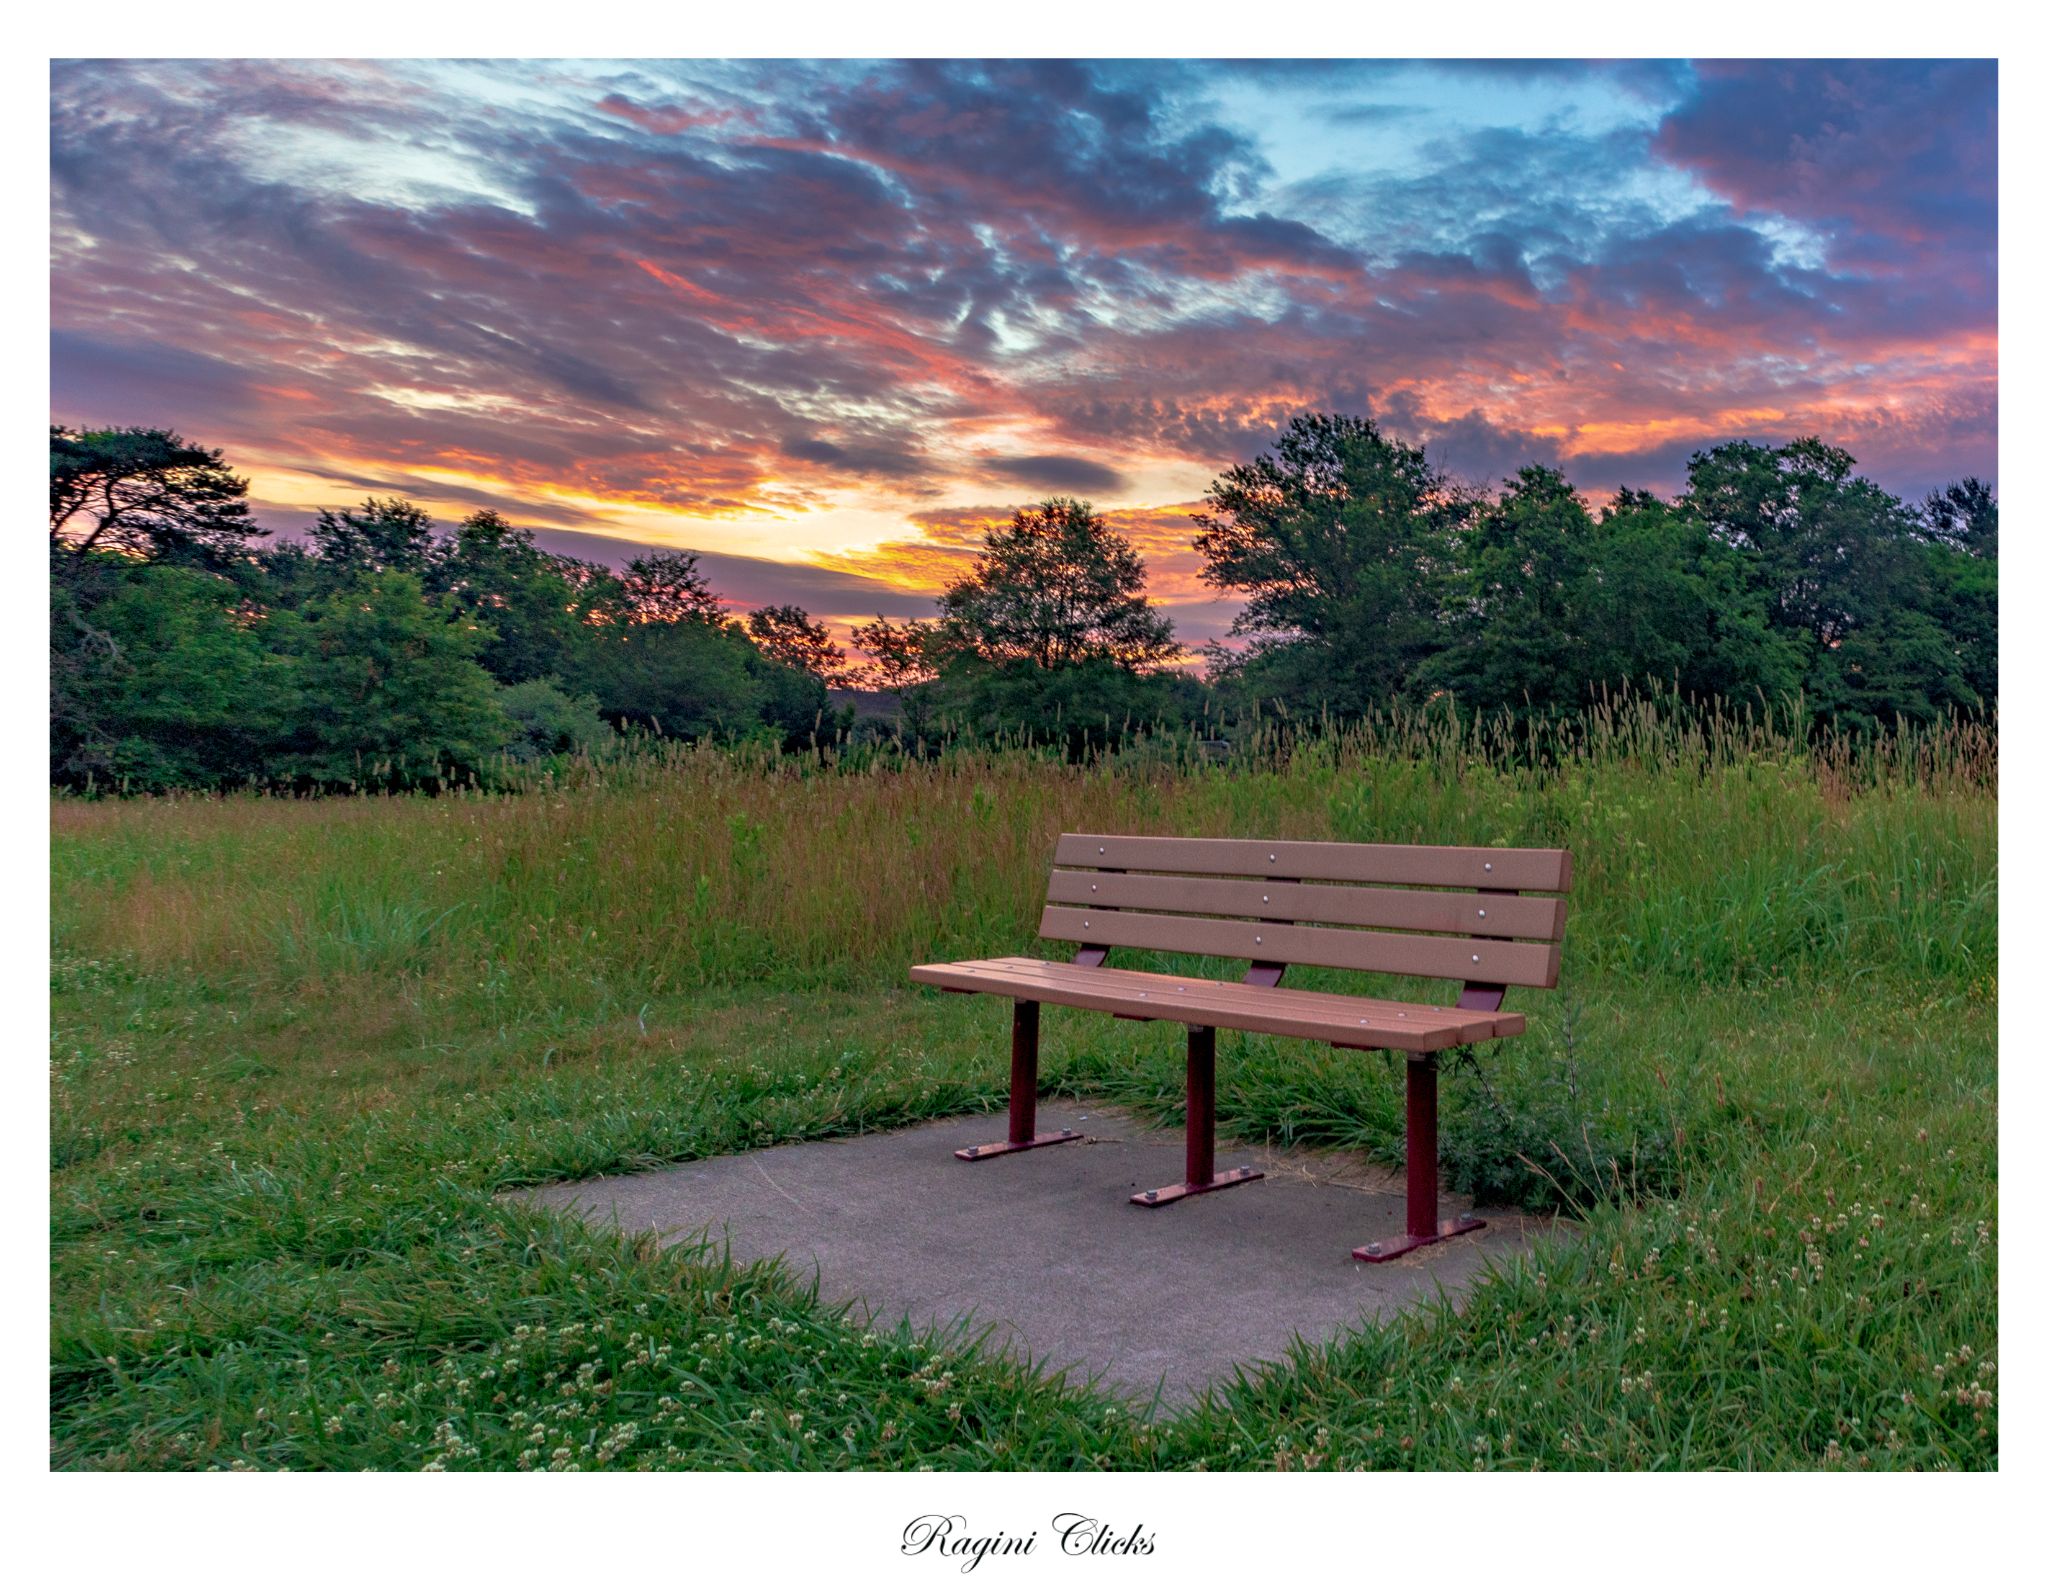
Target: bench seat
(1342,1019)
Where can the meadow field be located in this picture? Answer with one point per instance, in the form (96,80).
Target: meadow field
(301,1047)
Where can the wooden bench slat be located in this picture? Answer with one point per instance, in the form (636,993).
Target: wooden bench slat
(1422,911)
(1068,971)
(1249,1009)
(1505,1024)
(1450,867)
(1360,950)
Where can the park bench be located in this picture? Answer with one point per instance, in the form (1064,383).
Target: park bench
(1460,913)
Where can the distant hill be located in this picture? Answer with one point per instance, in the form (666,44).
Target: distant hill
(867,705)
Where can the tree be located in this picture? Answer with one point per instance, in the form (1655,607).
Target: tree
(665,587)
(1049,638)
(1843,569)
(794,703)
(379,535)
(177,690)
(145,492)
(682,679)
(1898,668)
(897,652)
(1525,577)
(658,654)
(1964,516)
(547,722)
(525,596)
(1962,597)
(790,637)
(1670,603)
(899,664)
(1338,539)
(1056,587)
(389,690)
(1827,545)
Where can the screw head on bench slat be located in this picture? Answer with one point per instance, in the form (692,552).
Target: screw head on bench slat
(1482,911)
(1260,939)
(1475,960)
(1489,867)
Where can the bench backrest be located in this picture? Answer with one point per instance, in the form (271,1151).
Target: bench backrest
(1426,911)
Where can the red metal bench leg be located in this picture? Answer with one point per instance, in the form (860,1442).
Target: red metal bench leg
(1023,1093)
(1201,1173)
(1424,1228)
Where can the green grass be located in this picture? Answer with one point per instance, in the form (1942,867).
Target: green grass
(300,1048)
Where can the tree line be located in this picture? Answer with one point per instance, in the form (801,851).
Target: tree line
(188,649)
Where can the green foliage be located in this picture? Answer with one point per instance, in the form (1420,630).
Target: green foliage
(1898,665)
(1963,516)
(1526,569)
(1962,598)
(1338,539)
(531,601)
(1047,639)
(667,588)
(390,693)
(1056,586)
(795,706)
(1084,707)
(684,679)
(1779,572)
(379,535)
(170,686)
(367,655)
(548,723)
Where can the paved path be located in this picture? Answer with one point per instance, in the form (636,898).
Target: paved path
(1045,1246)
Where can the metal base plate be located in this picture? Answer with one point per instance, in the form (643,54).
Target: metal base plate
(1162,1196)
(990,1150)
(1394,1246)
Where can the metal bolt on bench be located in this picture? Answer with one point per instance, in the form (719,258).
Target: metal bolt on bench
(1406,910)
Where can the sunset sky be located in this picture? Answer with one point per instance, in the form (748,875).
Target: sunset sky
(822,321)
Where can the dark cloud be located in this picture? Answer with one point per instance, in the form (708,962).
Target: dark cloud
(135,382)
(1884,155)
(1057,472)
(866,460)
(1476,451)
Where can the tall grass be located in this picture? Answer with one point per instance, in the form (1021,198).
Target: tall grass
(1707,851)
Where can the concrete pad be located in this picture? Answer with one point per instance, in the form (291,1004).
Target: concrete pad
(1045,1247)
